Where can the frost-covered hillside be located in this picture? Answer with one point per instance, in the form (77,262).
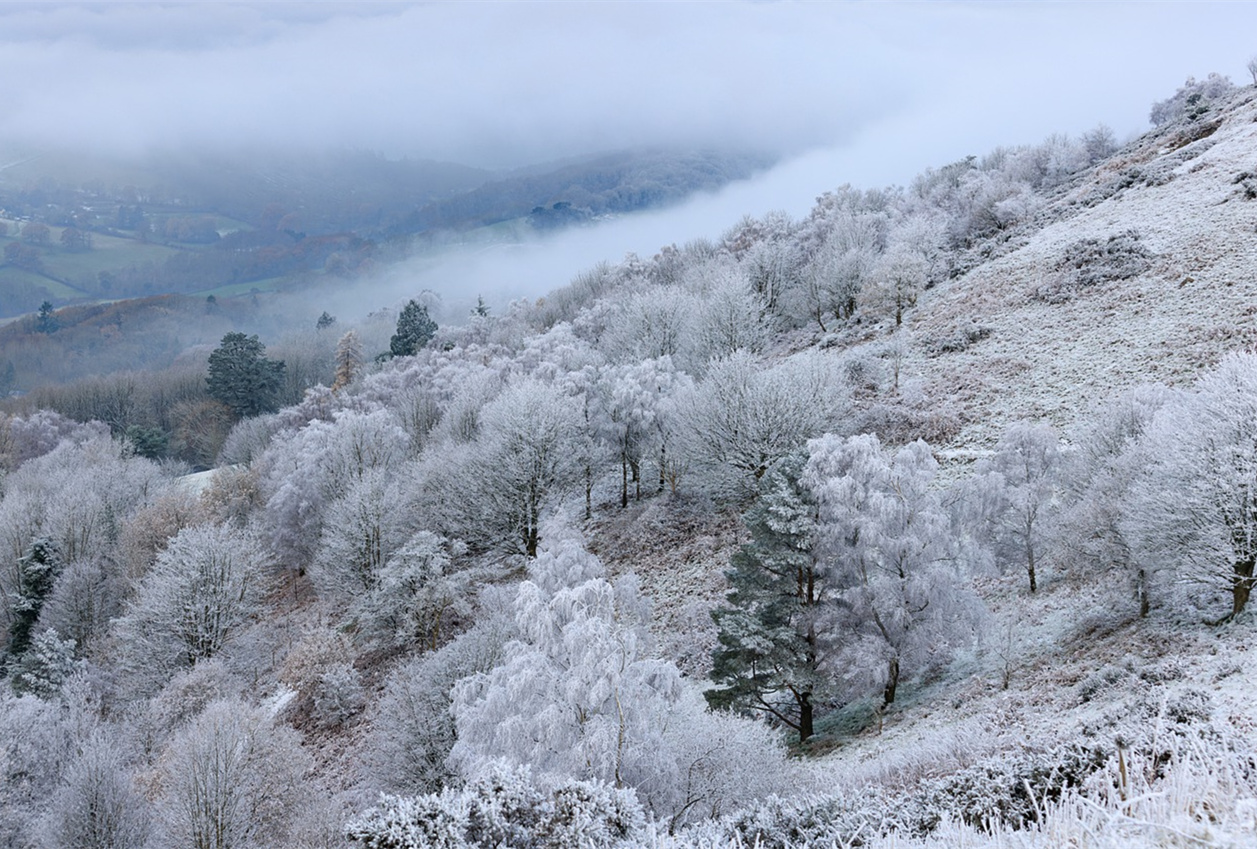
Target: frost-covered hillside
(925,520)
(1175,211)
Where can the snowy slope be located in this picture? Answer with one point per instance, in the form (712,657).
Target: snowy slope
(1186,200)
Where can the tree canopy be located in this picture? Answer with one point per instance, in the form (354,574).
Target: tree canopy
(415,328)
(241,376)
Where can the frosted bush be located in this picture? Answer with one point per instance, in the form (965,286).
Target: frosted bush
(504,808)
(338,695)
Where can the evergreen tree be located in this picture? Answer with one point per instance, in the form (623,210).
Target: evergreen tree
(241,376)
(773,642)
(8,379)
(325,321)
(36,570)
(45,666)
(415,328)
(46,321)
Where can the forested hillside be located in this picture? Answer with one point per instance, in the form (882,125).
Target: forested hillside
(924,520)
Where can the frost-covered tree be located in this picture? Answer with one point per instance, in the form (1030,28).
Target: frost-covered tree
(775,629)
(885,542)
(1021,480)
(37,742)
(896,281)
(530,450)
(415,328)
(730,317)
(303,472)
(631,414)
(348,360)
(36,571)
(839,269)
(230,779)
(1193,99)
(45,666)
(1097,478)
(1195,503)
(97,805)
(655,323)
(413,730)
(418,590)
(577,694)
(744,416)
(207,583)
(361,532)
(76,496)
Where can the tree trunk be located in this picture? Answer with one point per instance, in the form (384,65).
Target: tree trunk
(1141,592)
(805,717)
(892,682)
(1241,586)
(623,480)
(1030,567)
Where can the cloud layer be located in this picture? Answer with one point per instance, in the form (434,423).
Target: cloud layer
(510,83)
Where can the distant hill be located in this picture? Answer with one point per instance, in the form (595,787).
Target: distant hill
(81,229)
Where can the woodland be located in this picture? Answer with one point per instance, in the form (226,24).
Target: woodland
(927,519)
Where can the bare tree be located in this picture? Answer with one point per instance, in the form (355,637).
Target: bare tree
(231,779)
(98,806)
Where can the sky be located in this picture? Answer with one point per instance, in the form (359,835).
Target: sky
(865,93)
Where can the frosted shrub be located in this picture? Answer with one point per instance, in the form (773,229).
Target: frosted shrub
(186,695)
(338,695)
(1090,262)
(317,649)
(504,808)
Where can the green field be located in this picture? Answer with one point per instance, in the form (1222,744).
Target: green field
(231,290)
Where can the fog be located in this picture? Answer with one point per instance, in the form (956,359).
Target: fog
(863,93)
(503,84)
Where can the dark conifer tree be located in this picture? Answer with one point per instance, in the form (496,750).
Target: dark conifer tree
(241,376)
(772,639)
(415,328)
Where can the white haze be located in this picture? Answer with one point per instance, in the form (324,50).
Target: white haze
(865,93)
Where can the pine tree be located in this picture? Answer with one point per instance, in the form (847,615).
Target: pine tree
(37,570)
(415,328)
(241,376)
(46,321)
(772,639)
